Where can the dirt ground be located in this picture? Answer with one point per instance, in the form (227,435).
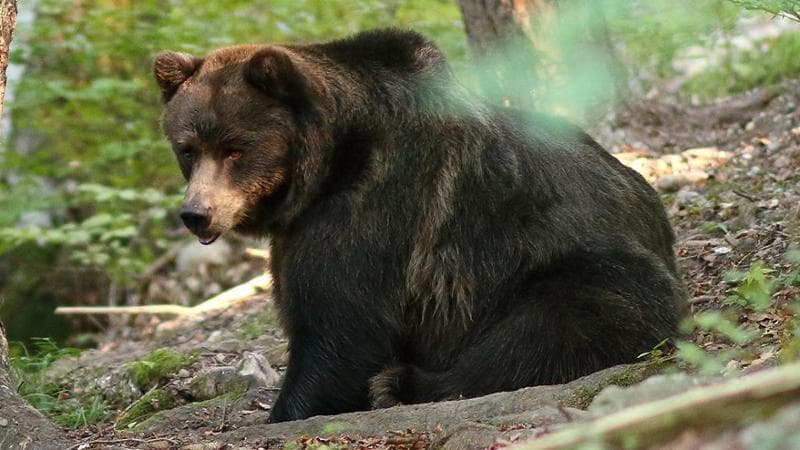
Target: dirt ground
(733,207)
(728,176)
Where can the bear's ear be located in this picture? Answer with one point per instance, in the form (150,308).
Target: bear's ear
(171,69)
(272,71)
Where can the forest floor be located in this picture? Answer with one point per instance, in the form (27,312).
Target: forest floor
(727,172)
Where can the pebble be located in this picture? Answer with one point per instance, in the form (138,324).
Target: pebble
(782,161)
(773,146)
(3,422)
(722,250)
(675,181)
(687,197)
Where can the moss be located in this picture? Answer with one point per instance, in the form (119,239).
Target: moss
(157,365)
(634,374)
(150,403)
(582,397)
(335,427)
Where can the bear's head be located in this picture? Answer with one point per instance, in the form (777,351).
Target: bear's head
(232,119)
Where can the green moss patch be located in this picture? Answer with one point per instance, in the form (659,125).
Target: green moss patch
(582,397)
(158,364)
(150,403)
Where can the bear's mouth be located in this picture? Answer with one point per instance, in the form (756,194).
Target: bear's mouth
(208,239)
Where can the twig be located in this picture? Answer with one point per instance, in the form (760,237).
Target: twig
(220,301)
(745,195)
(258,284)
(701,299)
(221,427)
(142,309)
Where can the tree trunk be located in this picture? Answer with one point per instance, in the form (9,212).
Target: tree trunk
(21,426)
(8,18)
(499,23)
(523,45)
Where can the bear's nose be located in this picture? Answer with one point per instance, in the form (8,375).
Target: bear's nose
(195,218)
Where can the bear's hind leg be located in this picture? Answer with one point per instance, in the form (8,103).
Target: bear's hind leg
(570,322)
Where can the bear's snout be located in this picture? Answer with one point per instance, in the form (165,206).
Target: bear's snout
(197,219)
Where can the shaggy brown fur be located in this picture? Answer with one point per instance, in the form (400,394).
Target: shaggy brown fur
(425,245)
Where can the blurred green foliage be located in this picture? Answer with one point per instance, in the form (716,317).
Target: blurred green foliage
(769,62)
(653,32)
(85,146)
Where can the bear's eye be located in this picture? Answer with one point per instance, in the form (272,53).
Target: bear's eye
(186,151)
(235,154)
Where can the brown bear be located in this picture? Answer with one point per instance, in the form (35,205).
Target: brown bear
(426,245)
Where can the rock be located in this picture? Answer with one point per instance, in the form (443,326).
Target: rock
(215,381)
(251,372)
(747,244)
(705,153)
(541,405)
(780,431)
(231,345)
(256,367)
(723,250)
(194,254)
(215,336)
(540,417)
(469,436)
(773,146)
(782,162)
(675,181)
(3,422)
(769,204)
(614,398)
(686,198)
